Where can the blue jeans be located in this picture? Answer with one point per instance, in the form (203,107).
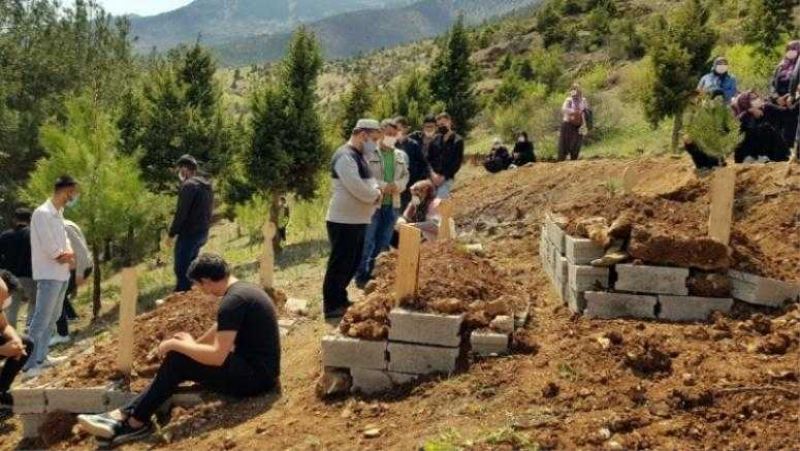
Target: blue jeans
(187,248)
(377,240)
(49,302)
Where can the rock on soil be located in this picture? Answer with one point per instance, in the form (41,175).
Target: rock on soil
(57,427)
(670,249)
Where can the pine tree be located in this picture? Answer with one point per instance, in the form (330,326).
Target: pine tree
(548,24)
(452,76)
(197,74)
(679,51)
(114,199)
(287,149)
(767,21)
(357,102)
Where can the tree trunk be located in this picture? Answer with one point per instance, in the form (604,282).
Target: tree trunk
(97,279)
(273,216)
(677,126)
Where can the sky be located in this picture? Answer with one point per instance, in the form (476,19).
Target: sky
(141,7)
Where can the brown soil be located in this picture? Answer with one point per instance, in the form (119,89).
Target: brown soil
(452,281)
(672,249)
(192,312)
(731,384)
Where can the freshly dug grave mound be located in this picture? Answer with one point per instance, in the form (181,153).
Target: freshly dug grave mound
(191,312)
(451,281)
(670,249)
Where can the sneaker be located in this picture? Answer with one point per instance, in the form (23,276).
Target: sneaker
(337,313)
(50,361)
(59,339)
(125,433)
(31,373)
(100,425)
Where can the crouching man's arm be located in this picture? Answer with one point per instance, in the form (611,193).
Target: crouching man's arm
(213,352)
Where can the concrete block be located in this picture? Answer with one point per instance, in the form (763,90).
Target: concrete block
(29,401)
(77,400)
(117,399)
(587,278)
(581,251)
(297,306)
(370,382)
(425,328)
(691,308)
(601,304)
(575,300)
(487,343)
(762,290)
(503,324)
(31,423)
(556,236)
(652,279)
(554,258)
(344,352)
(418,359)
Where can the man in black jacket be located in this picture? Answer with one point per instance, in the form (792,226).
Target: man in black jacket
(15,256)
(192,218)
(418,167)
(446,156)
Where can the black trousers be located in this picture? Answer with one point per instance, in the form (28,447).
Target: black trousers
(347,246)
(62,325)
(236,377)
(13,366)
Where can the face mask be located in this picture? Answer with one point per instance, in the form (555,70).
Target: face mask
(721,69)
(415,200)
(182,177)
(74,201)
(389,141)
(6,303)
(521,139)
(791,54)
(430,133)
(443,129)
(370,146)
(574,93)
(758,103)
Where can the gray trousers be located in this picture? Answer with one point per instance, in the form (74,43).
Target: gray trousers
(26,295)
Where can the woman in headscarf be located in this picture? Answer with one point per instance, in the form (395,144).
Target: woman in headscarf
(574,111)
(719,81)
(758,122)
(784,81)
(423,211)
(523,150)
(498,158)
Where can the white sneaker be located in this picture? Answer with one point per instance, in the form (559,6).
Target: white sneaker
(50,362)
(59,339)
(31,374)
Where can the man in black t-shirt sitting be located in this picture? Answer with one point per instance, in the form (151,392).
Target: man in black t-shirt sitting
(238,356)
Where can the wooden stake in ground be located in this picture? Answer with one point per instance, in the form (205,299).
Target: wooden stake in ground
(127,313)
(407,280)
(630,177)
(720,219)
(447,225)
(267,267)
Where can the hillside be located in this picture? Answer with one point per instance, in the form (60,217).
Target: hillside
(218,21)
(357,32)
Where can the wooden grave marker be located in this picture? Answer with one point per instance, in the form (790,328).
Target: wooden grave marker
(267,263)
(447,225)
(720,218)
(127,314)
(407,280)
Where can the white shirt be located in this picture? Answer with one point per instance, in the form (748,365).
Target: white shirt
(48,241)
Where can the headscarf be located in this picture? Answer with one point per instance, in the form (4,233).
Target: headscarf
(427,195)
(786,67)
(744,102)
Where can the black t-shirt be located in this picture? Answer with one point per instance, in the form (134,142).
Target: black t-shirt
(248,310)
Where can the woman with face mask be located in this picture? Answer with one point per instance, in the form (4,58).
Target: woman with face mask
(719,81)
(576,115)
(785,78)
(761,134)
(423,211)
